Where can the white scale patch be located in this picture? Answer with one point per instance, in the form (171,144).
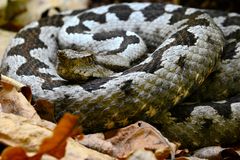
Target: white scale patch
(227,30)
(91,25)
(233,14)
(100,10)
(31,25)
(166,42)
(107,45)
(138,6)
(171,7)
(190,11)
(237,50)
(111,17)
(173,53)
(17,61)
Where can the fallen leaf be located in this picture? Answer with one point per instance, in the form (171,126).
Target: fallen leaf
(9,81)
(14,153)
(142,155)
(56,144)
(13,101)
(122,142)
(29,134)
(27,92)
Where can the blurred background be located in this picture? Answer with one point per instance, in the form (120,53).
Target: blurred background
(14,14)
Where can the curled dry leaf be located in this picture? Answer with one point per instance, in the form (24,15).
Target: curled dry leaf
(122,142)
(13,101)
(216,153)
(7,81)
(16,153)
(54,146)
(32,137)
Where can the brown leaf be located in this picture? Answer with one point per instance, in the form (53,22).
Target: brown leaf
(19,131)
(54,146)
(7,86)
(27,92)
(14,153)
(122,142)
(12,82)
(11,101)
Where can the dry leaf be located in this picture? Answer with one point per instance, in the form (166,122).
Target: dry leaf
(14,153)
(14,102)
(142,155)
(54,146)
(27,92)
(29,134)
(122,142)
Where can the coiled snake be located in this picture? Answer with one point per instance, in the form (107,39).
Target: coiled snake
(118,80)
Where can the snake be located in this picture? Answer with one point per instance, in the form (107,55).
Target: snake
(172,66)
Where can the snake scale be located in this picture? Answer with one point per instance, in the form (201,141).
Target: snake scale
(145,58)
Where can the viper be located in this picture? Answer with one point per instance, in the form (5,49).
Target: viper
(117,64)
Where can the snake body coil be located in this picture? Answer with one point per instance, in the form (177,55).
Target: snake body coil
(188,46)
